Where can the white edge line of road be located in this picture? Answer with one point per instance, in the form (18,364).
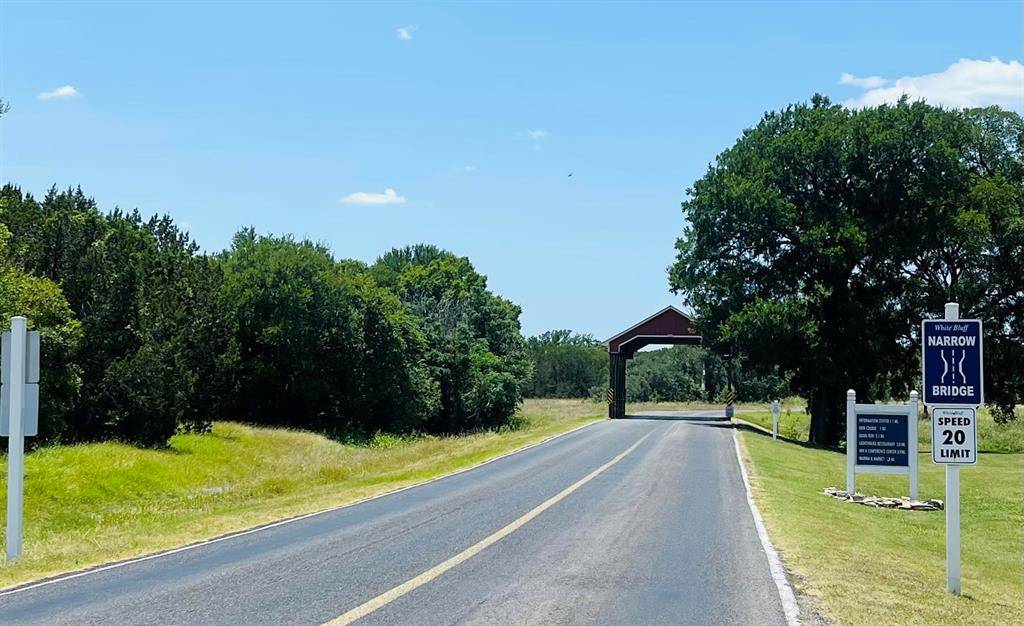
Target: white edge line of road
(786,595)
(241,533)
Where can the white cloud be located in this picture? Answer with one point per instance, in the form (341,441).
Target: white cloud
(405,32)
(535,136)
(390,196)
(469,168)
(867,82)
(65,91)
(964,84)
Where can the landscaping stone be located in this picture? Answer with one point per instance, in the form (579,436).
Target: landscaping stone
(885,502)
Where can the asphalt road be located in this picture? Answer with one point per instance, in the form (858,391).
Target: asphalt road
(634,521)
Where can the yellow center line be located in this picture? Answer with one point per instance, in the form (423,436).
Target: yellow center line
(397,592)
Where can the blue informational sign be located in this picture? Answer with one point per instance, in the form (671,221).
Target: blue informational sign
(882,440)
(951,358)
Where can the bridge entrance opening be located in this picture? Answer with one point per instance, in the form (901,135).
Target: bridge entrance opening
(668,326)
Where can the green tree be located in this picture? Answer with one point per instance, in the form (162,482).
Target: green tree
(817,242)
(978,260)
(50,238)
(138,298)
(41,301)
(142,293)
(476,352)
(667,375)
(566,365)
(676,374)
(316,343)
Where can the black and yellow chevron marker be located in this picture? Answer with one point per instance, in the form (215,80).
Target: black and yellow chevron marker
(730,397)
(611,396)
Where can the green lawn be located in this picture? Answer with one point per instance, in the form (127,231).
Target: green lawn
(94,503)
(874,566)
(795,424)
(742,407)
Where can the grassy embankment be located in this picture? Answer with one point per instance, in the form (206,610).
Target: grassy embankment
(94,503)
(862,565)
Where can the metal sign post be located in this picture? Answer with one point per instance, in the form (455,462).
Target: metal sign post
(953,371)
(776,409)
(19,417)
(14,389)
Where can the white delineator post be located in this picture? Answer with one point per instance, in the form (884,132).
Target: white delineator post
(851,439)
(952,502)
(16,441)
(776,409)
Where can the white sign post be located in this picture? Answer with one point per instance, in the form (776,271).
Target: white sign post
(881,439)
(19,416)
(776,409)
(953,370)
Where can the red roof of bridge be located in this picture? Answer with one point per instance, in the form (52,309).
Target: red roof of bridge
(667,326)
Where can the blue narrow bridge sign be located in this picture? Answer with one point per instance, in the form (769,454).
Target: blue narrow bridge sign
(951,357)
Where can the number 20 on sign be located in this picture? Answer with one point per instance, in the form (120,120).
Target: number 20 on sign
(954,436)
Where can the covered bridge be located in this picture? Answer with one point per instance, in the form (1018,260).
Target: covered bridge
(668,326)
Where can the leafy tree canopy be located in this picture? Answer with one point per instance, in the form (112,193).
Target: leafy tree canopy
(817,243)
(145,336)
(41,301)
(567,365)
(476,352)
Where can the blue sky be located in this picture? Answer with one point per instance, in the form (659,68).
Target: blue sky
(298,117)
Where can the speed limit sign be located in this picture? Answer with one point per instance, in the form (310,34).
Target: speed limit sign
(954,436)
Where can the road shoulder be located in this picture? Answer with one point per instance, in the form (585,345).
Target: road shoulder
(779,575)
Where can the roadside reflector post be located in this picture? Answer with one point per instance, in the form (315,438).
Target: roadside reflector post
(776,409)
(730,395)
(14,389)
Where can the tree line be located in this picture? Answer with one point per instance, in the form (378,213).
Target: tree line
(575,365)
(143,335)
(816,244)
